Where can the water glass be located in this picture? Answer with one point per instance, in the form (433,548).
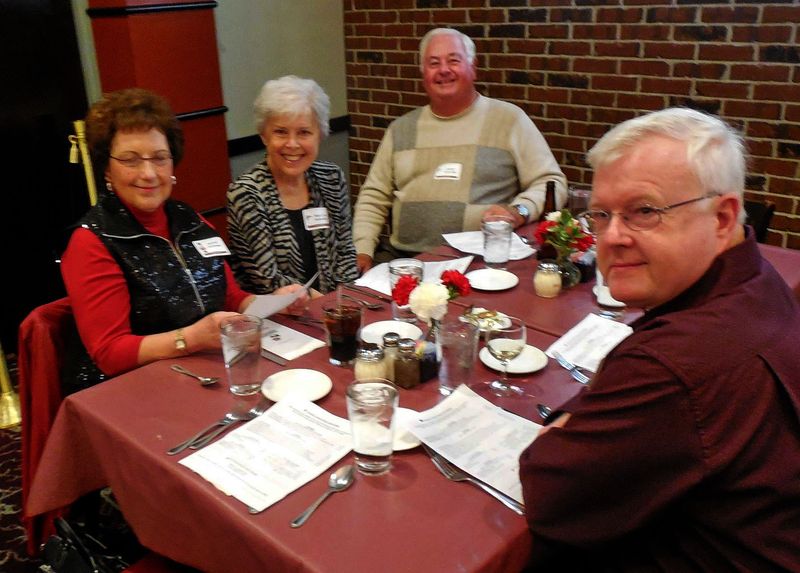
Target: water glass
(497,230)
(342,320)
(371,407)
(241,350)
(397,269)
(458,349)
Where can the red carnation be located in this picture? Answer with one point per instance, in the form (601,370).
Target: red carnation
(457,284)
(402,289)
(541,231)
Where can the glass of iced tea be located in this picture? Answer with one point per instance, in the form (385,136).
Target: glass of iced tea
(342,322)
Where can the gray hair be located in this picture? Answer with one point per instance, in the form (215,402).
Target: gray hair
(715,151)
(292,96)
(466,41)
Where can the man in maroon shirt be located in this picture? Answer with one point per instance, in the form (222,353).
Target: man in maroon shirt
(684,452)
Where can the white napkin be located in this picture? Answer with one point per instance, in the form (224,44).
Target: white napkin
(588,342)
(472,242)
(377,278)
(287,342)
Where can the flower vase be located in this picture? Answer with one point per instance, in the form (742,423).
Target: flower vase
(570,273)
(431,352)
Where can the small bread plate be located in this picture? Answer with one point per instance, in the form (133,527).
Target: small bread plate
(530,359)
(403,438)
(296,383)
(604,297)
(374,332)
(486,319)
(492,279)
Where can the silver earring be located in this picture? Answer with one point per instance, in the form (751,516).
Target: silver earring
(108,186)
(174,179)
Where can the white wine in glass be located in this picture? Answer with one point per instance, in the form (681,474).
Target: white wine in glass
(505,344)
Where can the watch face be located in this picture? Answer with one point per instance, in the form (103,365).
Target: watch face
(522,210)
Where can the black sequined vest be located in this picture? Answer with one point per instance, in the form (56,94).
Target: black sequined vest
(171,285)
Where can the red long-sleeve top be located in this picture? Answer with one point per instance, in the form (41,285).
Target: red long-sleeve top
(99,295)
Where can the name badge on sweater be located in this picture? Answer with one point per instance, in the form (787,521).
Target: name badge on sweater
(450,171)
(316,218)
(212,247)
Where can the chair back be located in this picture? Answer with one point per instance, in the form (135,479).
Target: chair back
(41,346)
(759,215)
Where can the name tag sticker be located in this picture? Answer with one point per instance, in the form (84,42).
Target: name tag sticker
(212,247)
(450,171)
(316,218)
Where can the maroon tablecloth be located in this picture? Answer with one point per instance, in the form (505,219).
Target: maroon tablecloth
(412,519)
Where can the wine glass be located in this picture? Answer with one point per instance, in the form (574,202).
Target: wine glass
(505,342)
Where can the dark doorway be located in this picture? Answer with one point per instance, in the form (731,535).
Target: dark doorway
(42,194)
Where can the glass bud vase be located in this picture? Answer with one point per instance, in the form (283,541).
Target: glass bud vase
(431,353)
(570,273)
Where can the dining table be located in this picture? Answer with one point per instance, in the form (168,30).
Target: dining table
(410,519)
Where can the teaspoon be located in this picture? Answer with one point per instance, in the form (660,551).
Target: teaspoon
(340,480)
(204,380)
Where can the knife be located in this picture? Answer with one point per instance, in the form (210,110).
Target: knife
(274,357)
(360,290)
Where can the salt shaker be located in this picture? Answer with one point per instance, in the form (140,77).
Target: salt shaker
(369,362)
(390,350)
(547,280)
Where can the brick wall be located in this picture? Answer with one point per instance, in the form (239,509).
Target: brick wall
(579,67)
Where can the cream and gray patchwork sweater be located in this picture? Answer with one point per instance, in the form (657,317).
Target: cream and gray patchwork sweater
(438,175)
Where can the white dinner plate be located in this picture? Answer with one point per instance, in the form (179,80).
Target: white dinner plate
(499,320)
(296,383)
(403,438)
(604,297)
(492,279)
(530,359)
(374,332)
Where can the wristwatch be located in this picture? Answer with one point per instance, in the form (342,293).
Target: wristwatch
(180,341)
(521,210)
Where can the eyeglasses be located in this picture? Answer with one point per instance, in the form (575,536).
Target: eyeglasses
(636,217)
(134,160)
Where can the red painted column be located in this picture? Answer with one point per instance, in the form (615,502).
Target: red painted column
(170,47)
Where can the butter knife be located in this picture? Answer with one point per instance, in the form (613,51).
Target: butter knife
(366,292)
(274,357)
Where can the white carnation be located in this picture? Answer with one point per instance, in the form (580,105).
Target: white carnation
(429,301)
(554,216)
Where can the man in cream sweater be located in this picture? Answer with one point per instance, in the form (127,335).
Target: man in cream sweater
(441,167)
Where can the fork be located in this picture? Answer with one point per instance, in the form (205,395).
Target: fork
(452,473)
(574,370)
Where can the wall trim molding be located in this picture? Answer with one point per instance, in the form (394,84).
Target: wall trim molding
(122,11)
(250,143)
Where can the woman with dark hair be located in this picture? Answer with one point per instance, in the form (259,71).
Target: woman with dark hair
(137,271)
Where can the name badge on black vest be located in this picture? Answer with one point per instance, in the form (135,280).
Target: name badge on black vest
(316,218)
(211,247)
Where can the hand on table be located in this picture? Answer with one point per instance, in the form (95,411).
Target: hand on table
(364,262)
(300,305)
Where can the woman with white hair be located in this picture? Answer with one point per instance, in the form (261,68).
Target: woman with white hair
(289,216)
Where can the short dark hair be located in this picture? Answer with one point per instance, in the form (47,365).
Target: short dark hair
(132,109)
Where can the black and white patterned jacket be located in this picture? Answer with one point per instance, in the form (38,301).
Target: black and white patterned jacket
(266,255)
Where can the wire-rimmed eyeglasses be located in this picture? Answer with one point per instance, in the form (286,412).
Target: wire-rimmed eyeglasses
(635,217)
(134,160)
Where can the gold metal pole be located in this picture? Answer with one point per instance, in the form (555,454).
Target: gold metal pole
(79,140)
(9,401)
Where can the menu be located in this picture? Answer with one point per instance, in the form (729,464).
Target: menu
(480,438)
(269,457)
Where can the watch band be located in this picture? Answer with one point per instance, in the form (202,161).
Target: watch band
(180,341)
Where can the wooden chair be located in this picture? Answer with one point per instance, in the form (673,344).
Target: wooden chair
(41,346)
(759,215)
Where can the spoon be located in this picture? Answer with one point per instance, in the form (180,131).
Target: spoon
(369,305)
(204,380)
(340,480)
(544,411)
